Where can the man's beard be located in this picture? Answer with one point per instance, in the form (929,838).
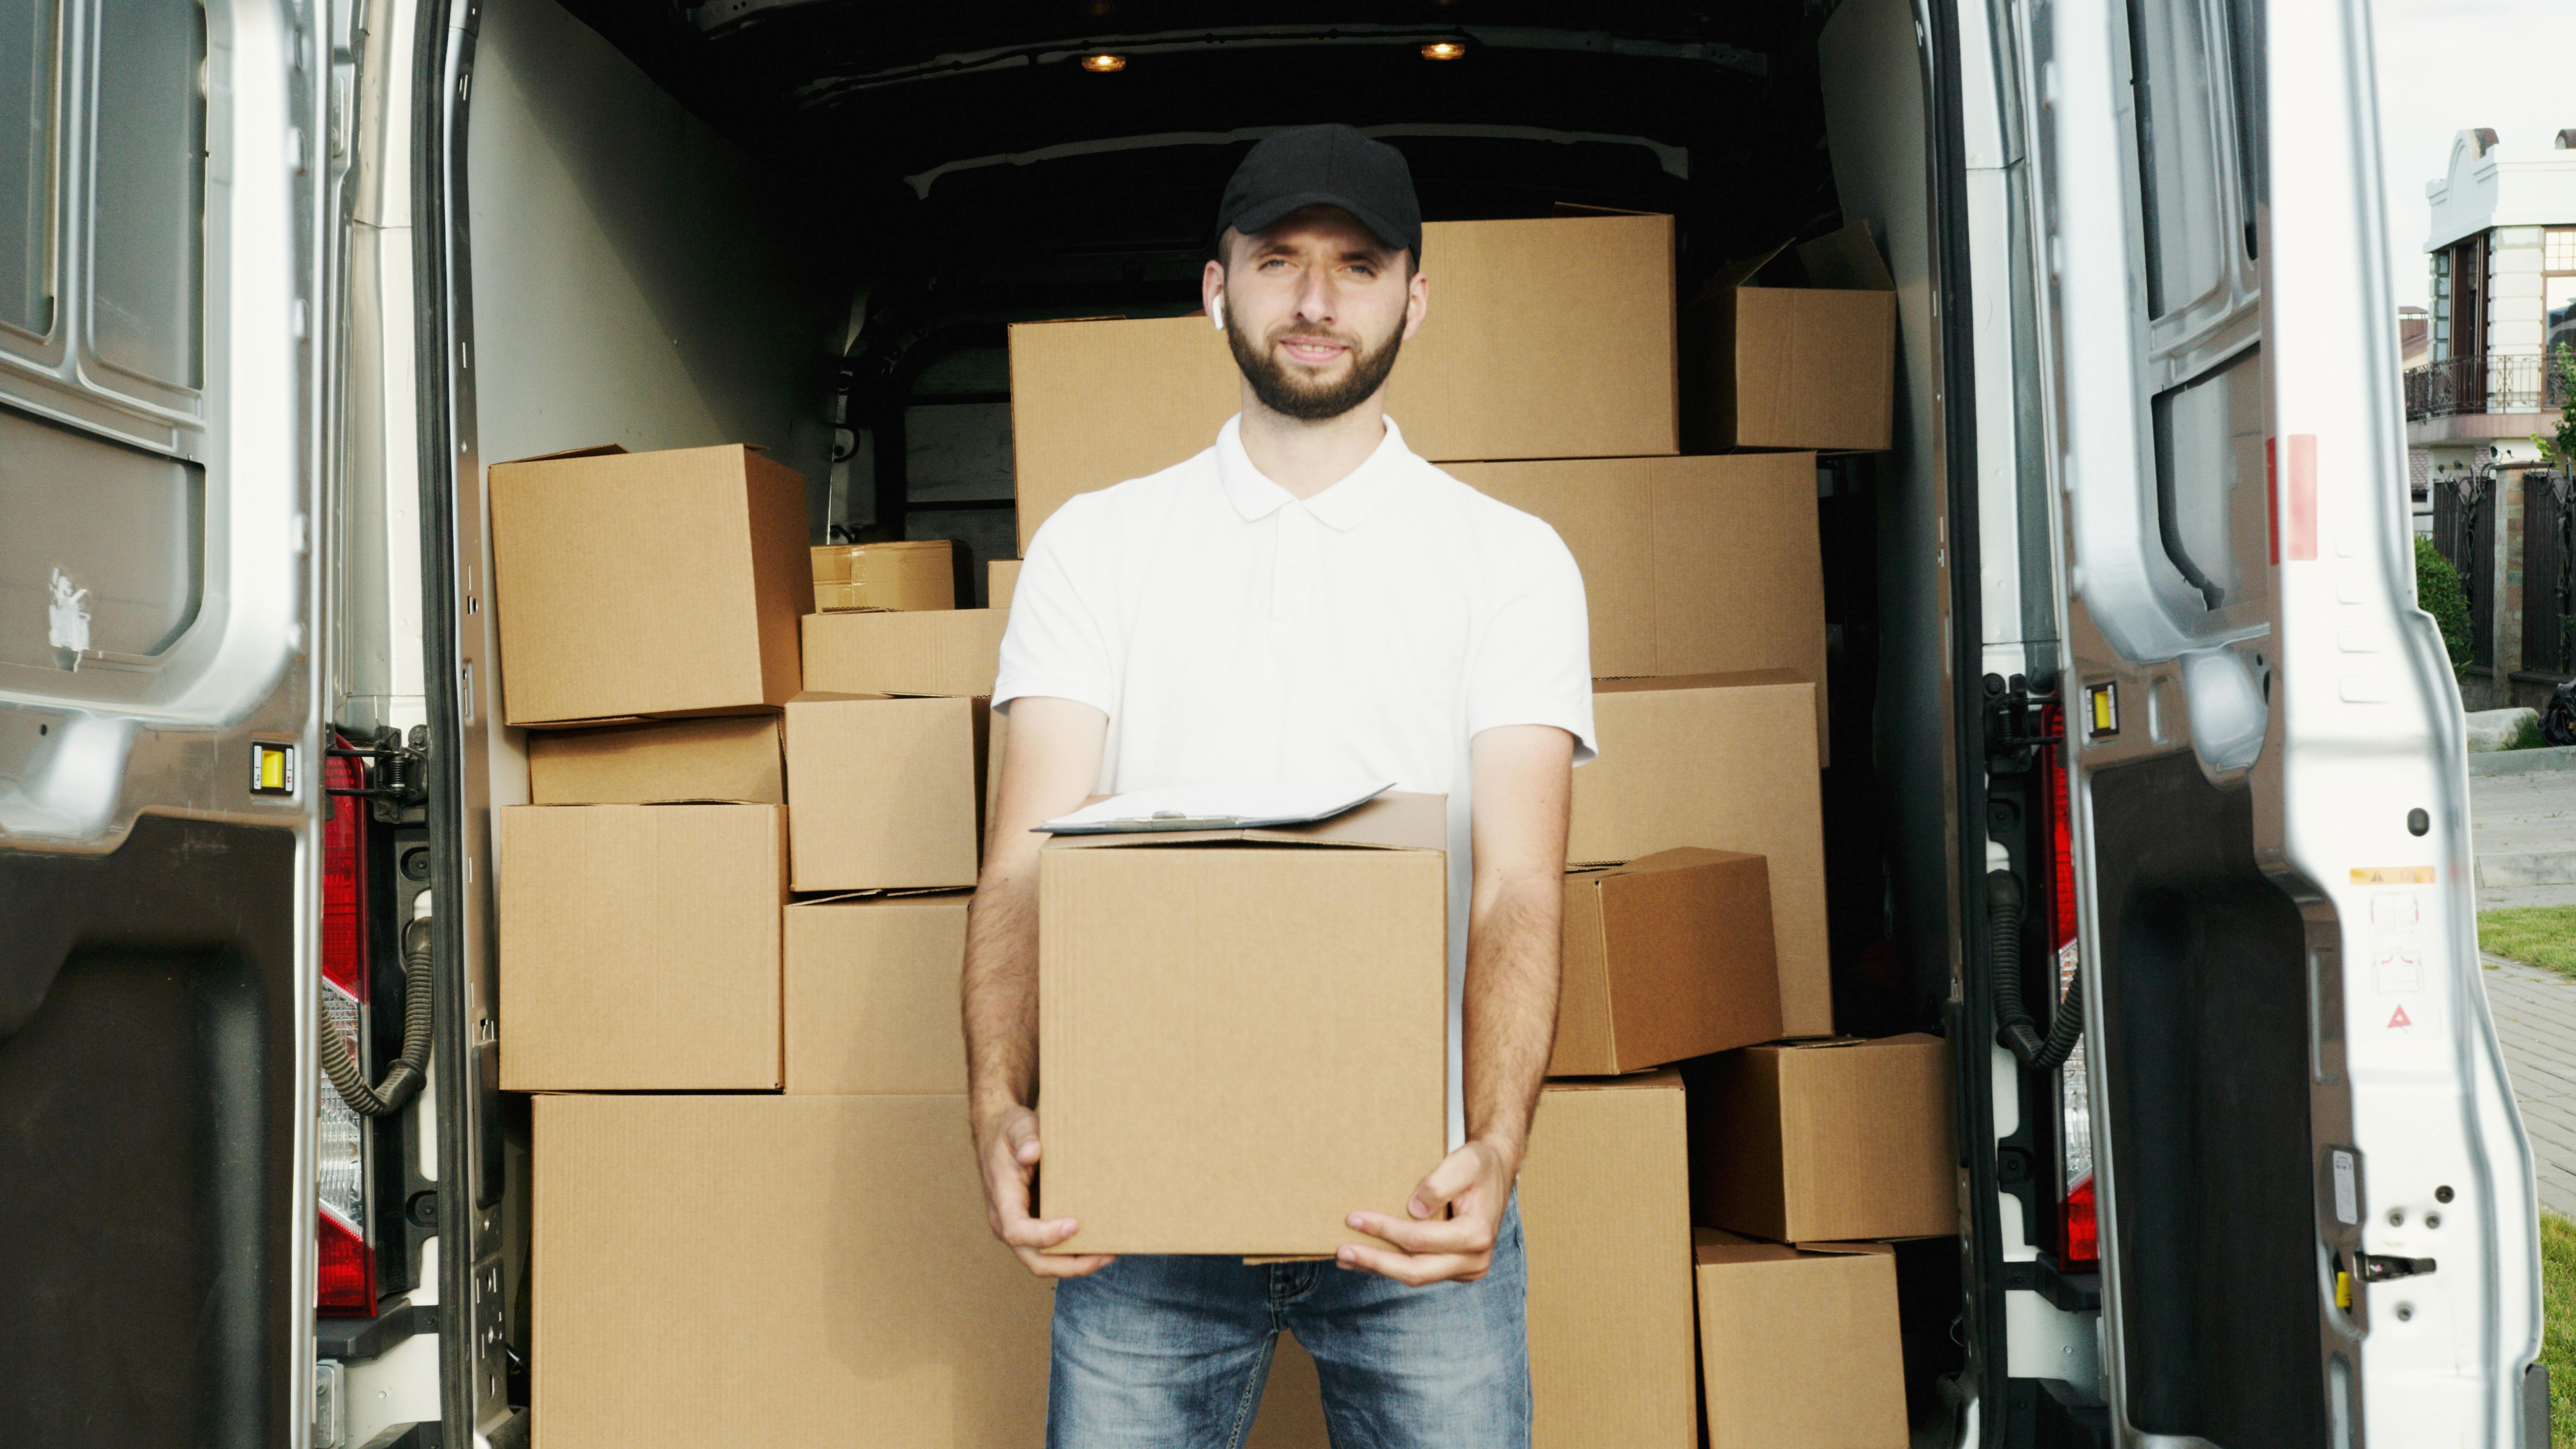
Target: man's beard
(1288,395)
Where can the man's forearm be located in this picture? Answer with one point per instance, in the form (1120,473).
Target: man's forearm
(999,991)
(1513,945)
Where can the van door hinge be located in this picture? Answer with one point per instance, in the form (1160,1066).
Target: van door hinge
(2380,1267)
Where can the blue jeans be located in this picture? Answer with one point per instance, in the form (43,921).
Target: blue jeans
(1172,1352)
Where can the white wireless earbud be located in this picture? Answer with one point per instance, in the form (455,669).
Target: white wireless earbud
(1216,313)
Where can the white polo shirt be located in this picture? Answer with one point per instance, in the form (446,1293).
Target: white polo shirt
(1233,632)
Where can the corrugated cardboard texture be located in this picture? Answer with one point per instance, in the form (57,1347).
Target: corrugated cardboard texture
(1665,958)
(1826,1141)
(940,651)
(1099,402)
(872,996)
(762,1270)
(1727,762)
(887,793)
(647,583)
(1292,1403)
(1793,367)
(639,947)
(1605,1211)
(1242,1042)
(1690,565)
(1001,575)
(1800,1348)
(724,757)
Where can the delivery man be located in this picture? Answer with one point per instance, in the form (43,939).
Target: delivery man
(1304,601)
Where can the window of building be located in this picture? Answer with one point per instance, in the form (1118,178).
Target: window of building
(2558,287)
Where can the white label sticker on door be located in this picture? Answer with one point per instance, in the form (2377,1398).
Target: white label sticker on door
(2347,1191)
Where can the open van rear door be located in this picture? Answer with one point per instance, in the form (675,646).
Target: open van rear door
(161,314)
(2316,1204)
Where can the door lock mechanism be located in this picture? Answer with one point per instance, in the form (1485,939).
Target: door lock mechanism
(2380,1267)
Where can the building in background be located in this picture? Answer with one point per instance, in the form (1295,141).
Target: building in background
(2414,350)
(2502,253)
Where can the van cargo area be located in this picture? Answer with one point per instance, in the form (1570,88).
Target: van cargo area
(810,227)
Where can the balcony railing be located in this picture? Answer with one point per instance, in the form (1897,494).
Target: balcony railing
(2493,383)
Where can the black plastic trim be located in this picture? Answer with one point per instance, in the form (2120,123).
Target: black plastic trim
(354,1340)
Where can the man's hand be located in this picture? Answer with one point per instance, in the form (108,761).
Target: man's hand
(1430,1245)
(1007,1145)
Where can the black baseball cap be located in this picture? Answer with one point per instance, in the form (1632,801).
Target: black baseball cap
(1329,165)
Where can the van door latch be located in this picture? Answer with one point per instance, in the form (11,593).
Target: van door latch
(2380,1267)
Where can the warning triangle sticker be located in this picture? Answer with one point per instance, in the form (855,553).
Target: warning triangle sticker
(2400,1019)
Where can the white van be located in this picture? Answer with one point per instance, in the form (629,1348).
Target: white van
(278,278)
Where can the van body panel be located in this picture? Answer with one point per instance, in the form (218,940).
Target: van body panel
(162,405)
(2292,1065)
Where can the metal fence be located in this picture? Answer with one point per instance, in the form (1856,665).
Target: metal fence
(2487,383)
(2548,573)
(2464,533)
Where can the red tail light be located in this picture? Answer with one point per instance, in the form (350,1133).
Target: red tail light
(2078,1225)
(2082,1236)
(344,878)
(347,1271)
(345,1283)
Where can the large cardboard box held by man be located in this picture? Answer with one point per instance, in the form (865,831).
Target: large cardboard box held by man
(764,1270)
(884,793)
(1665,958)
(1826,1141)
(1469,385)
(1800,1345)
(1244,1032)
(634,584)
(723,757)
(872,995)
(639,947)
(1792,366)
(1728,762)
(1605,1218)
(1690,565)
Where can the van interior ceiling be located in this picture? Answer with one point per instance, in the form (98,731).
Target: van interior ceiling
(917,178)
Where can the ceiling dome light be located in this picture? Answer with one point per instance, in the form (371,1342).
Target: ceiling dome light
(1104,63)
(1443,50)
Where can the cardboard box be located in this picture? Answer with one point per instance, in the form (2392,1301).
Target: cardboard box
(872,995)
(1824,1141)
(1800,1345)
(1098,402)
(1200,991)
(723,757)
(1726,761)
(775,1270)
(1690,565)
(1666,957)
(916,573)
(1794,367)
(1001,576)
(888,793)
(639,947)
(939,651)
(1605,1215)
(638,584)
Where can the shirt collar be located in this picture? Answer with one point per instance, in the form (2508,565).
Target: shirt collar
(1341,506)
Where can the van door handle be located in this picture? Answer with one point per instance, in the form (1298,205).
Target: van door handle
(2380,1267)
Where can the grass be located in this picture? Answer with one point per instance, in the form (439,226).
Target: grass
(2558,1316)
(2538,935)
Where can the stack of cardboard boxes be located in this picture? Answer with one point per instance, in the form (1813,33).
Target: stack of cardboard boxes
(743,866)
(732,918)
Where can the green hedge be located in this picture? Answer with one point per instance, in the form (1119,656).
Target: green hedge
(2438,591)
